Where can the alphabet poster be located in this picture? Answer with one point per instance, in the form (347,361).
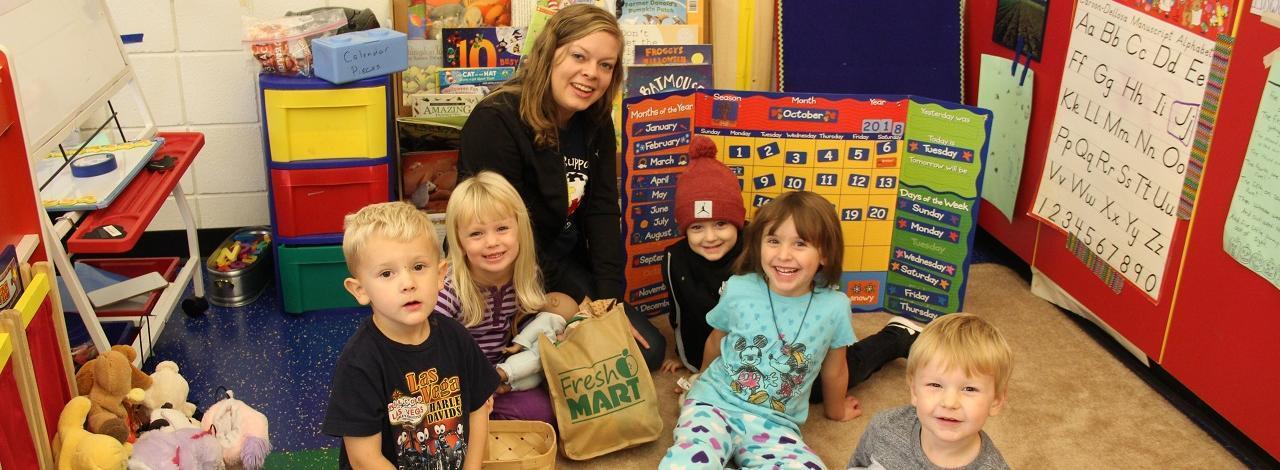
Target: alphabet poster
(1132,88)
(904,174)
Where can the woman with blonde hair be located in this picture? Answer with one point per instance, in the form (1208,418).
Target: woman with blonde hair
(548,131)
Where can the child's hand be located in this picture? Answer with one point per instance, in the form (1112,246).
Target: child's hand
(503,388)
(514,348)
(639,339)
(670,365)
(852,409)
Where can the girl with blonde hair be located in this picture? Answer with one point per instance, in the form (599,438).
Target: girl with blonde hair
(494,284)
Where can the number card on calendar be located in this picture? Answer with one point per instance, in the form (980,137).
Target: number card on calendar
(904,174)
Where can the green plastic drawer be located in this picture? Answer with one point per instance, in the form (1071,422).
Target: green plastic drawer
(311,278)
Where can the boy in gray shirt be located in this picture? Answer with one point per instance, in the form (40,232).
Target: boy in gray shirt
(958,371)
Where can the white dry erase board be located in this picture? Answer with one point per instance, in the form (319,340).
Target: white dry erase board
(66,60)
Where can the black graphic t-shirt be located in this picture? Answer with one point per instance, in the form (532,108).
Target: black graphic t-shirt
(577,166)
(419,397)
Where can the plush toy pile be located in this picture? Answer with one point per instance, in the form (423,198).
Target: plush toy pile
(127,419)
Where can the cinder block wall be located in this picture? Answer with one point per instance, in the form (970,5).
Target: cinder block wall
(197,76)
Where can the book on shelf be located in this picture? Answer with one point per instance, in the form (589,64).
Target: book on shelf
(483,47)
(427,178)
(672,54)
(649,79)
(10,277)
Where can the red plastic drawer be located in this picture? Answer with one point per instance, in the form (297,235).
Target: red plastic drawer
(314,201)
(134,267)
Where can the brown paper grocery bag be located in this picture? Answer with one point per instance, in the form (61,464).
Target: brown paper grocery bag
(600,385)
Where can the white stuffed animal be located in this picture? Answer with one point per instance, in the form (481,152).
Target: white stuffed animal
(168,386)
(241,430)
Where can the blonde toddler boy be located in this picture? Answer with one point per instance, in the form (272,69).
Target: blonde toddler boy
(958,371)
(410,389)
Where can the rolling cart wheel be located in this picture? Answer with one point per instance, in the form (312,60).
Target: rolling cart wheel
(195,306)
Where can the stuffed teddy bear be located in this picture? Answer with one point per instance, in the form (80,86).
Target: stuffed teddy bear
(180,449)
(112,382)
(241,430)
(168,386)
(74,448)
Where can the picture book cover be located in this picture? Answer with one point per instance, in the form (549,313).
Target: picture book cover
(654,11)
(648,34)
(483,47)
(475,76)
(649,79)
(427,178)
(10,278)
(650,54)
(426,18)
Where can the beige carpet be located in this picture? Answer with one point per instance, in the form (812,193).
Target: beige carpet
(1071,404)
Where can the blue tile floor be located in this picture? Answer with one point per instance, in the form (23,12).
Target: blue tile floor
(277,362)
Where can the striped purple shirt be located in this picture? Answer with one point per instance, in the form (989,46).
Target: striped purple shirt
(492,333)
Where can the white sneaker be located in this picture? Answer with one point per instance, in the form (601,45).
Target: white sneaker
(901,322)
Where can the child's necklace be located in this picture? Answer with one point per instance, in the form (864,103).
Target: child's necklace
(778,327)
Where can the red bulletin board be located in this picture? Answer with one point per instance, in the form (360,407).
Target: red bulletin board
(1222,337)
(1215,328)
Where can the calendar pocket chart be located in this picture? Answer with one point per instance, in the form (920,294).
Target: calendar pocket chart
(903,172)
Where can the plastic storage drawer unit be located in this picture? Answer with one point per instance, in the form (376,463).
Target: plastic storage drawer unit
(310,119)
(314,201)
(311,278)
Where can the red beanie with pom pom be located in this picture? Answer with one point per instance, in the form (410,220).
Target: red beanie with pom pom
(707,190)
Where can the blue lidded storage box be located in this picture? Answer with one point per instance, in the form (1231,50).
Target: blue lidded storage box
(360,54)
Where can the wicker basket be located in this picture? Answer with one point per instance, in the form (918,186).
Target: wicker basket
(520,445)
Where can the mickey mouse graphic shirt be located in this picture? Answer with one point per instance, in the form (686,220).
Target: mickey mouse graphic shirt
(767,368)
(418,397)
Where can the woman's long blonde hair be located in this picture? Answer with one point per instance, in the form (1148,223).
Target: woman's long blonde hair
(486,197)
(532,80)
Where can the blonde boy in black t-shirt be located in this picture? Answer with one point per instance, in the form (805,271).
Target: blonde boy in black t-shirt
(410,389)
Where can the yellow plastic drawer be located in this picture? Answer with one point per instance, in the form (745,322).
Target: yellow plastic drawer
(326,124)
